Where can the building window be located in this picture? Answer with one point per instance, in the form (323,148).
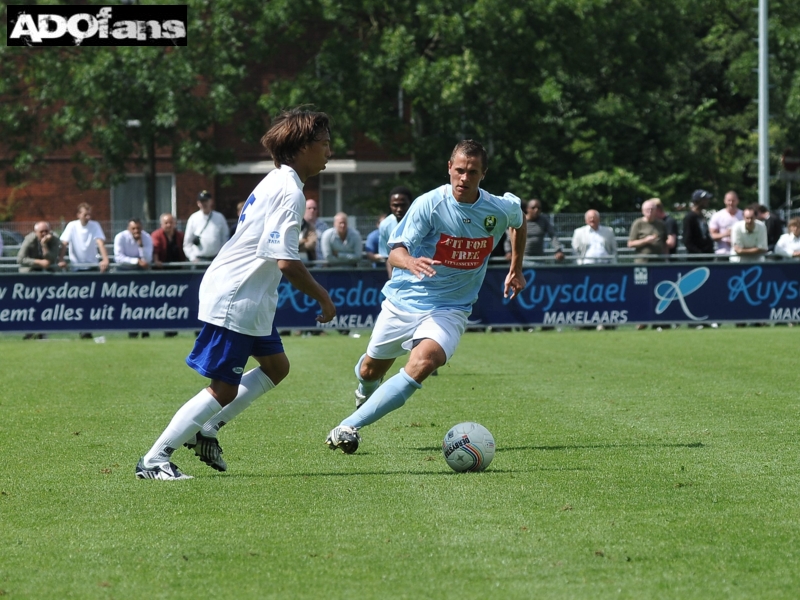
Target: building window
(354,193)
(128,200)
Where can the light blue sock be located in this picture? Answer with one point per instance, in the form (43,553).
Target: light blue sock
(365,388)
(390,396)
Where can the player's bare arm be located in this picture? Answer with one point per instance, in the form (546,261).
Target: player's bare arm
(420,267)
(515,280)
(297,274)
(104,260)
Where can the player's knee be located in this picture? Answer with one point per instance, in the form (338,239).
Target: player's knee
(278,372)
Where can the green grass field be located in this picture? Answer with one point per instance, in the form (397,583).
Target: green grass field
(630,464)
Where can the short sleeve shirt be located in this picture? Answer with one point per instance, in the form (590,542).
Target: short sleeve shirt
(239,290)
(83,241)
(386,228)
(461,236)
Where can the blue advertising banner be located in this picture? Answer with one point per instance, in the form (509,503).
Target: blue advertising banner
(554,296)
(99,302)
(663,293)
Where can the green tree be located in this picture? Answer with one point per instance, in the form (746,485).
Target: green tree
(581,102)
(114,106)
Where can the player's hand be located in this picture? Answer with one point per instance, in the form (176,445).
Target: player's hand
(328,311)
(515,283)
(422,266)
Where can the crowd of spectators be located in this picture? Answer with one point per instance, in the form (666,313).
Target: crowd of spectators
(729,234)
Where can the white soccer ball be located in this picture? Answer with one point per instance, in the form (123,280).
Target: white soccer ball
(468,447)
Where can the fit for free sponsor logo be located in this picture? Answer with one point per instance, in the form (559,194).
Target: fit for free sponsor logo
(126,25)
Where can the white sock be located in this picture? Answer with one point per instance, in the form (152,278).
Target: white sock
(186,422)
(254,383)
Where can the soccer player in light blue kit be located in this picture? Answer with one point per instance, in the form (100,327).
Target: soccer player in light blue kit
(440,252)
(239,297)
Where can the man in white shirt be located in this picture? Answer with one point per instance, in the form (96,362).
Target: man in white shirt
(206,231)
(723,221)
(749,238)
(239,297)
(340,244)
(84,239)
(594,243)
(133,248)
(788,245)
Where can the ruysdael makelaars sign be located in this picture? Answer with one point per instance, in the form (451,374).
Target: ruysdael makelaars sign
(99,302)
(94,25)
(554,296)
(615,295)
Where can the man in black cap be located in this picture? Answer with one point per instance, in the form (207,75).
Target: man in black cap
(696,235)
(206,231)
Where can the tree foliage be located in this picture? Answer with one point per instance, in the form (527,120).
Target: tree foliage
(583,103)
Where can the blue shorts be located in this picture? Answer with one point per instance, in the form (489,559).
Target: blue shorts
(222,354)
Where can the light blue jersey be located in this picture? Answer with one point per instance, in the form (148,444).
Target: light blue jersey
(385,230)
(461,236)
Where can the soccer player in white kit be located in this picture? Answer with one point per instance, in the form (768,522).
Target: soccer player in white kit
(239,296)
(439,251)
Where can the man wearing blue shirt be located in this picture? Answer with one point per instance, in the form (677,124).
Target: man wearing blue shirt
(439,254)
(399,200)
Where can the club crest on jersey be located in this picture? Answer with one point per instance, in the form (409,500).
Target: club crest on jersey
(490,223)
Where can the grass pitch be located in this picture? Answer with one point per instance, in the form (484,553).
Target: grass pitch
(630,464)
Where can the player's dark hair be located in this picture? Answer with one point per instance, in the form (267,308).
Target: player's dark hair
(402,191)
(291,131)
(470,149)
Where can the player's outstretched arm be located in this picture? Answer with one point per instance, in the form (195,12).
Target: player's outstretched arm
(421,267)
(297,274)
(515,281)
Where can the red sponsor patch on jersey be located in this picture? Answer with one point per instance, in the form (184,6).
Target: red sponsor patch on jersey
(462,252)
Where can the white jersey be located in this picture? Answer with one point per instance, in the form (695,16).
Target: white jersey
(83,241)
(240,288)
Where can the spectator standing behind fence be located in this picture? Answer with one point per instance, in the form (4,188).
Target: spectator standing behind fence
(84,240)
(722,221)
(788,245)
(133,251)
(167,243)
(539,226)
(341,245)
(40,250)
(774,225)
(400,199)
(319,226)
(749,238)
(206,231)
(648,236)
(593,243)
(696,234)
(133,247)
(669,224)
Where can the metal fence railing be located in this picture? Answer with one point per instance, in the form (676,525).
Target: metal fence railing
(13,232)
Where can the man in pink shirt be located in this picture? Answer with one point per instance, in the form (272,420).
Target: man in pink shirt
(721,223)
